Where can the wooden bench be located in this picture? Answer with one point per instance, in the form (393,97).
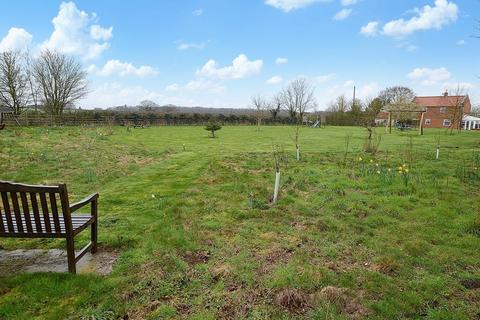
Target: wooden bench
(36,211)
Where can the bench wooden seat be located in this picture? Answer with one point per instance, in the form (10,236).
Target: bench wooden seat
(79,223)
(35,211)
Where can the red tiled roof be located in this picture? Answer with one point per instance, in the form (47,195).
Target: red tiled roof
(439,101)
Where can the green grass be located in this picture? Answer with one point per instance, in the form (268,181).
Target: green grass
(198,239)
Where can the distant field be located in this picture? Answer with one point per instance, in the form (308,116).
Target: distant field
(351,236)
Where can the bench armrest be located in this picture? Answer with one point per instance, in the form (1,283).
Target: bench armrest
(77,205)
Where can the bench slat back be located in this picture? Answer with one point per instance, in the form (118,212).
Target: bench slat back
(33,209)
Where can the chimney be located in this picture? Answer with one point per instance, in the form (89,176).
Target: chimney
(445,94)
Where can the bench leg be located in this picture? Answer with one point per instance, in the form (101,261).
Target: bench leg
(71,255)
(93,237)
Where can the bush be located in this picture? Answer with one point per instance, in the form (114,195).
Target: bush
(213,126)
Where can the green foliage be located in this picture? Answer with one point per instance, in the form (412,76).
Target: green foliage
(213,126)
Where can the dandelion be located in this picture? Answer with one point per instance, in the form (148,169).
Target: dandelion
(378,171)
(360,159)
(406,170)
(371,160)
(400,168)
(153,196)
(389,170)
(376,164)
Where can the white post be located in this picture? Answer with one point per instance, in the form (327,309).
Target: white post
(465,125)
(277,186)
(469,125)
(438,152)
(298,154)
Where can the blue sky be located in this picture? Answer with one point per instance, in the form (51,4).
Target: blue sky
(220,53)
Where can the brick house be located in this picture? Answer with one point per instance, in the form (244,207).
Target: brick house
(444,111)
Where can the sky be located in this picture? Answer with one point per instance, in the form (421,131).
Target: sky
(219,53)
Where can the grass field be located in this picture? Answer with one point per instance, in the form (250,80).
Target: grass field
(350,237)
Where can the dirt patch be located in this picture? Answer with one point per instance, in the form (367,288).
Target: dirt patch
(293,300)
(221,271)
(275,257)
(471,283)
(55,260)
(196,257)
(183,309)
(239,304)
(386,266)
(343,300)
(4,291)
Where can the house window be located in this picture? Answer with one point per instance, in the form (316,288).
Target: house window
(428,122)
(443,110)
(447,122)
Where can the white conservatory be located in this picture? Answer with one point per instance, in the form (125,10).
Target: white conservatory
(470,123)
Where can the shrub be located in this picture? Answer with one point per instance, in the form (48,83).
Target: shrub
(213,126)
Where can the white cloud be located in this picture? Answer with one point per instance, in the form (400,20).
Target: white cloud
(186,45)
(442,13)
(117,67)
(461,42)
(199,85)
(407,46)
(16,39)
(370,29)
(326,77)
(274,80)
(280,60)
(197,12)
(428,77)
(75,33)
(342,14)
(116,94)
(289,5)
(346,3)
(99,33)
(452,87)
(241,67)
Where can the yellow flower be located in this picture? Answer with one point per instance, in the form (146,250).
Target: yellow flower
(404,165)
(360,159)
(400,168)
(377,164)
(401,172)
(389,170)
(378,171)
(406,170)
(371,161)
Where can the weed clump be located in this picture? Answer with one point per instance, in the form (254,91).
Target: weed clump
(293,300)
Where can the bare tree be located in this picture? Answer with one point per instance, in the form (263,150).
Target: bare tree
(339,106)
(13,81)
(275,105)
(260,105)
(396,95)
(455,109)
(61,79)
(34,87)
(372,108)
(148,105)
(297,98)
